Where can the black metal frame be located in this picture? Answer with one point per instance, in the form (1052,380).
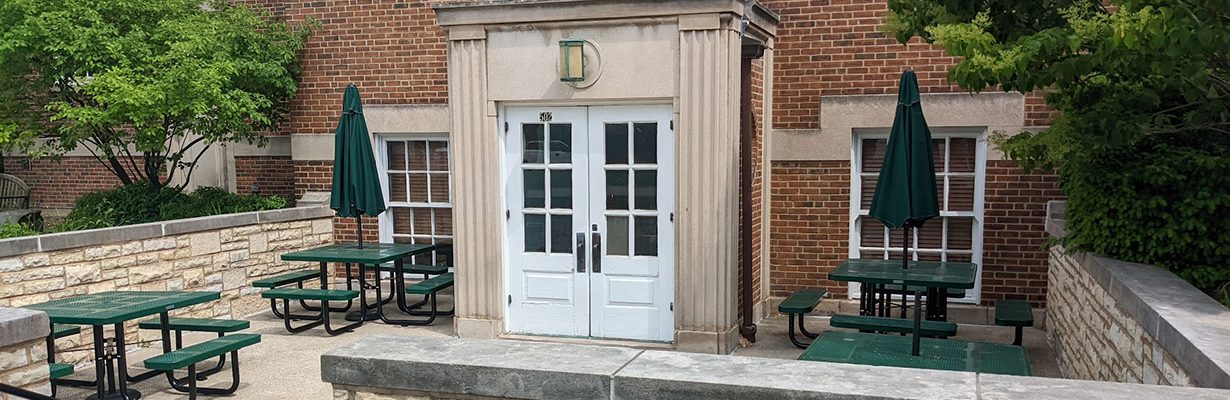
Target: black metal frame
(25,394)
(802,330)
(399,289)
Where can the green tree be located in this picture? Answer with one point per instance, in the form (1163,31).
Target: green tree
(1142,142)
(144,85)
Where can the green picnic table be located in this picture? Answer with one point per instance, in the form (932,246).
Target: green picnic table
(931,275)
(114,308)
(941,354)
(369,256)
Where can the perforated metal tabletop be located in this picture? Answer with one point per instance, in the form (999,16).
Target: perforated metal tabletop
(941,354)
(107,308)
(956,275)
(371,253)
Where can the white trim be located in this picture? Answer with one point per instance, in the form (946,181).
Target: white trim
(385,220)
(978,214)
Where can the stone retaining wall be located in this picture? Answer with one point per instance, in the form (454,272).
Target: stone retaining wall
(423,368)
(23,350)
(1111,320)
(219,253)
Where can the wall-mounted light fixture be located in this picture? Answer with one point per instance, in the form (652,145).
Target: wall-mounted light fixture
(571,60)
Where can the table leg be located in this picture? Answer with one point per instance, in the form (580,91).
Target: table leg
(365,312)
(122,368)
(917,322)
(100,361)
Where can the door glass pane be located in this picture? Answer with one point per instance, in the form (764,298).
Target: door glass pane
(535,192)
(561,188)
(535,233)
(616,143)
(645,143)
(646,190)
(561,143)
(617,235)
(533,143)
(561,234)
(617,190)
(646,240)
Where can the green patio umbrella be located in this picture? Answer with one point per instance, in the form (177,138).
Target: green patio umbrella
(905,194)
(356,182)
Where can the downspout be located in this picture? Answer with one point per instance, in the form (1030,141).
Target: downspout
(751,50)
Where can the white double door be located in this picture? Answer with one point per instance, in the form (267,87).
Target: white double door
(590,196)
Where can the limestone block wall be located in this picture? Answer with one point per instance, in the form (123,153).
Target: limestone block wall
(23,351)
(220,254)
(1096,338)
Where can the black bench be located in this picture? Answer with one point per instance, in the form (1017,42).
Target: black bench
(180,325)
(324,296)
(188,357)
(428,289)
(865,323)
(1014,313)
(797,305)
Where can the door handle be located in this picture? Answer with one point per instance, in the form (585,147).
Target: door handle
(580,251)
(597,247)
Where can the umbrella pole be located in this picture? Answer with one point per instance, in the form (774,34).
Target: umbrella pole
(359,221)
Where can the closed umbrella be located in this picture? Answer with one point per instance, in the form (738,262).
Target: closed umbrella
(905,194)
(356,182)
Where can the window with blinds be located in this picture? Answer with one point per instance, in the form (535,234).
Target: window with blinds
(955,235)
(418,193)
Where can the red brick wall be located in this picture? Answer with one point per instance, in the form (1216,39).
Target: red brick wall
(58,183)
(811,224)
(272,175)
(835,47)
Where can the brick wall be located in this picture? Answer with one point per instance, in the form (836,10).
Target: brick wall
(809,232)
(835,47)
(270,175)
(58,183)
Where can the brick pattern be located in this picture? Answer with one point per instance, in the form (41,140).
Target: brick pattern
(269,175)
(1097,339)
(836,47)
(58,183)
(223,260)
(24,365)
(1037,113)
(811,224)
(1014,237)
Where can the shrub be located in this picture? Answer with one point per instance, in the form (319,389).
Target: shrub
(137,204)
(11,230)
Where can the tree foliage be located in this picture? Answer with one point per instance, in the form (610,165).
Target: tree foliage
(1142,141)
(144,85)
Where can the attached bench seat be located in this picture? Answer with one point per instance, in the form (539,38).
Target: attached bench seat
(60,370)
(322,295)
(188,357)
(286,279)
(797,305)
(429,289)
(1014,313)
(895,325)
(937,354)
(421,269)
(197,324)
(62,330)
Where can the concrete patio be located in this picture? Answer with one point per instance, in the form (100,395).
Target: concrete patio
(287,366)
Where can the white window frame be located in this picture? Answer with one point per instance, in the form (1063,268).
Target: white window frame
(385,219)
(978,213)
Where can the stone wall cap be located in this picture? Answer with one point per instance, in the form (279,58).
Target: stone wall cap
(511,369)
(1004,387)
(663,374)
(18,325)
(91,237)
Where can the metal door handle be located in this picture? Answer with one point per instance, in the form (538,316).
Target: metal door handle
(597,246)
(580,251)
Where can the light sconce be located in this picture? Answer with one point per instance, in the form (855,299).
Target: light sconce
(572,60)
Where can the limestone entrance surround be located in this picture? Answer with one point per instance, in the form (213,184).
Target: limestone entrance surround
(685,53)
